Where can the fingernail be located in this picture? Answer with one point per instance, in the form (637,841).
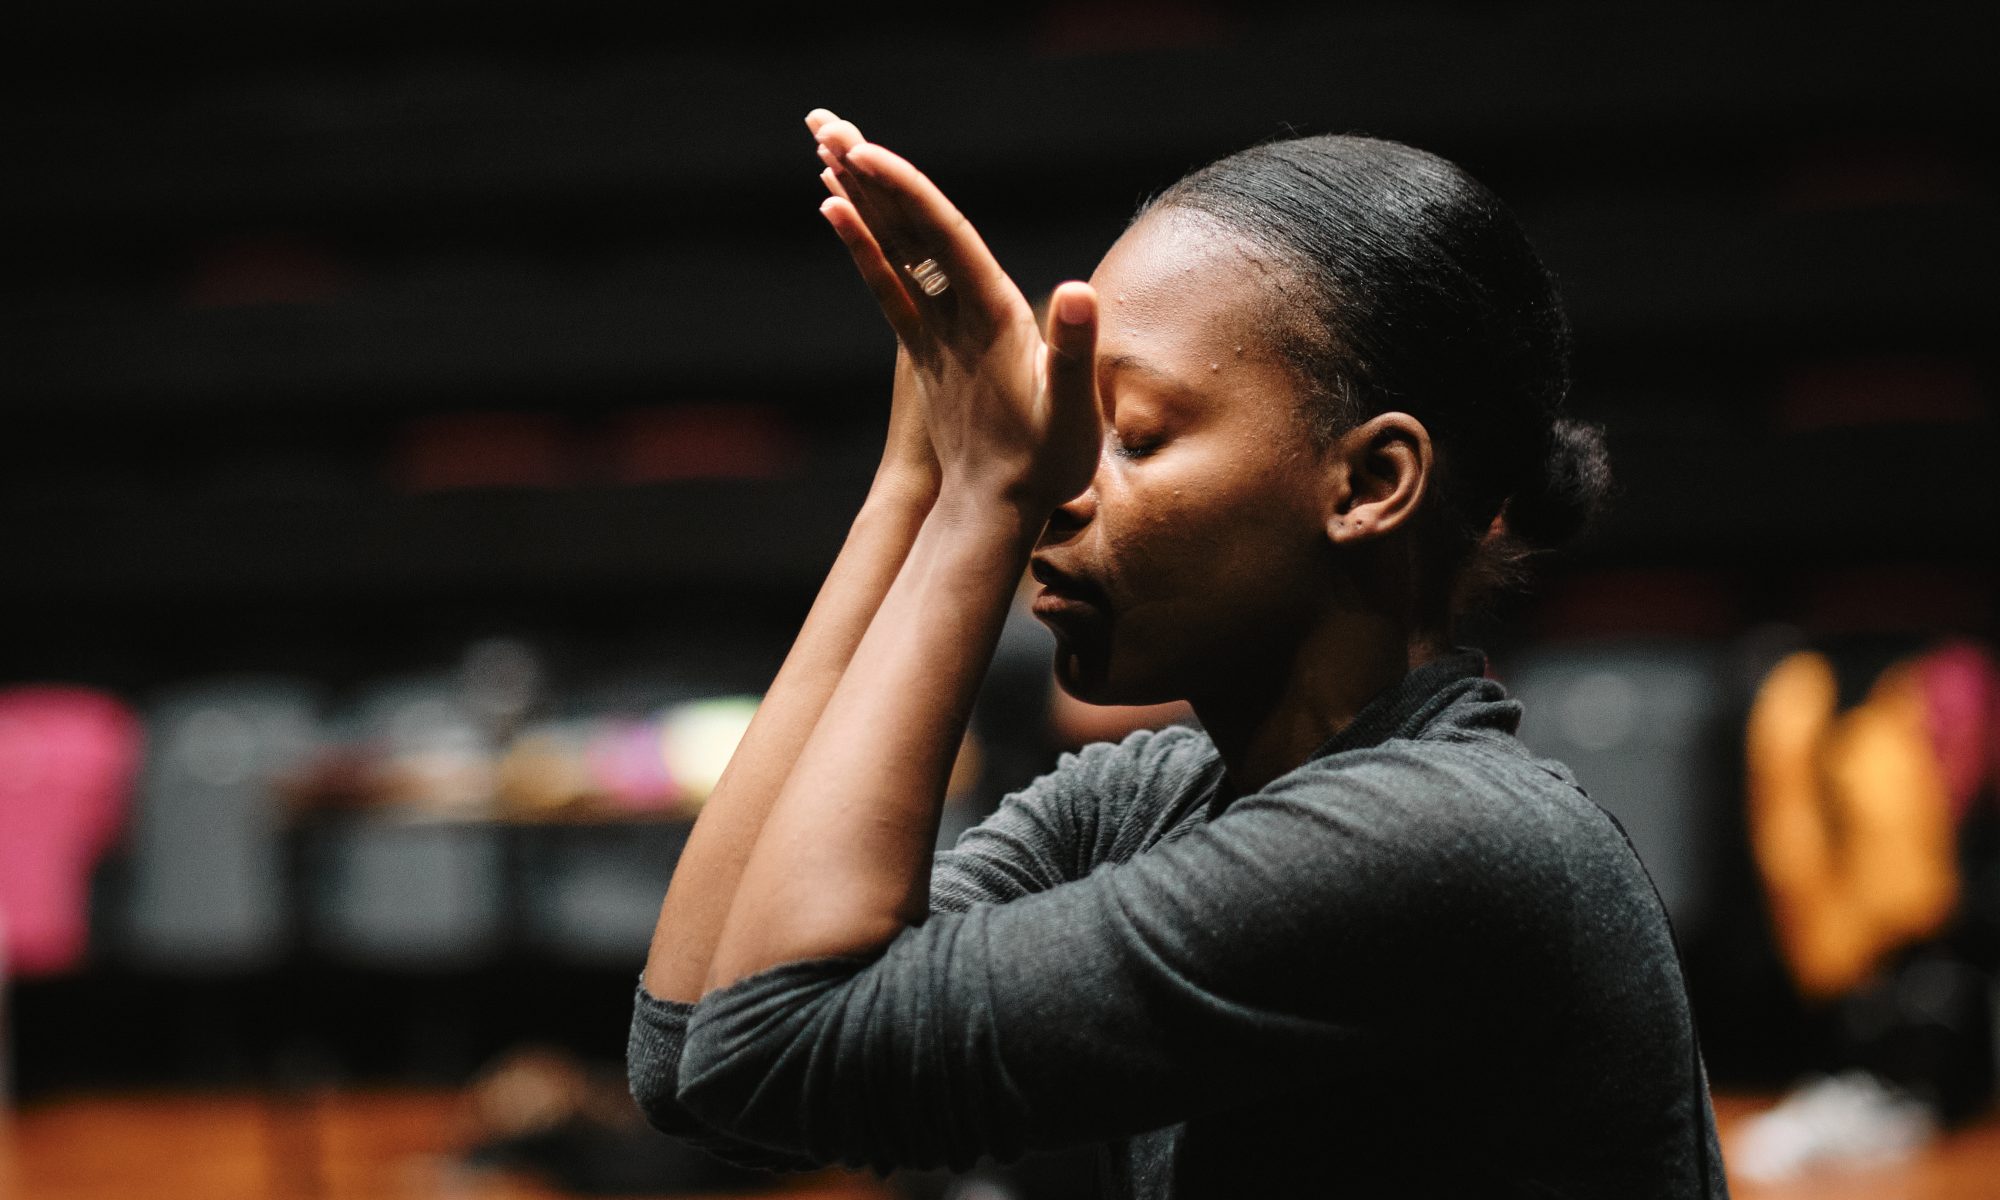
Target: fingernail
(1073,308)
(861,159)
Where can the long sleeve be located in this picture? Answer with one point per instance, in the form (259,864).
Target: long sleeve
(653,1050)
(1295,940)
(1048,833)
(1092,809)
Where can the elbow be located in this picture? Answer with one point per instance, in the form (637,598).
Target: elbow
(654,1094)
(653,1050)
(721,1081)
(785,1086)
(761,1062)
(800,1058)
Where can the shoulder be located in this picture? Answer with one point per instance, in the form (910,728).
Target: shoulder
(1477,816)
(1462,778)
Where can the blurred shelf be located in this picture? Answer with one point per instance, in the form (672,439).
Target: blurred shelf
(1662,277)
(1688,497)
(700,538)
(370,889)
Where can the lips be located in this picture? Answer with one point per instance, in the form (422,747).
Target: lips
(1063,594)
(1056,579)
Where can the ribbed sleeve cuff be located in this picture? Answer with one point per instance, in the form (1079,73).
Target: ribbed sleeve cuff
(653,1062)
(652,1071)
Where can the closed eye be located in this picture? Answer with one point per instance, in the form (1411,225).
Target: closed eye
(1136,448)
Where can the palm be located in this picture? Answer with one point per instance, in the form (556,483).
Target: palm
(1008,413)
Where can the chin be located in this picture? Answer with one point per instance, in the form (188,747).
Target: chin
(1088,674)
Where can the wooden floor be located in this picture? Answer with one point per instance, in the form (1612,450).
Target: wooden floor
(399,1145)
(371,1145)
(1964,1165)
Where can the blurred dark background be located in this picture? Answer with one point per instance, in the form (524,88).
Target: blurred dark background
(347,342)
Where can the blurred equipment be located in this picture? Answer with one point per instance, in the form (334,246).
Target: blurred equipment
(1871,810)
(1637,720)
(1850,820)
(209,880)
(1849,1120)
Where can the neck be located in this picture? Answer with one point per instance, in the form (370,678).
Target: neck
(1288,710)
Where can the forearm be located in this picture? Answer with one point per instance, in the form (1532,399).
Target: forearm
(843,861)
(706,877)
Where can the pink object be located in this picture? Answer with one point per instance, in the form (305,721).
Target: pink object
(626,762)
(1962,693)
(67,758)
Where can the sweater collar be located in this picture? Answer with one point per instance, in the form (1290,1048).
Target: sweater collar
(1401,710)
(1405,707)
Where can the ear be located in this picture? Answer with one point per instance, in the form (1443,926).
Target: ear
(1383,467)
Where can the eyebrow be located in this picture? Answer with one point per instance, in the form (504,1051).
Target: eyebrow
(1150,369)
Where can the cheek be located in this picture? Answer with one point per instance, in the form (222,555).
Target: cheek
(1209,538)
(1199,575)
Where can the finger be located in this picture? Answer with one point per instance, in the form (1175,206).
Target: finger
(881,277)
(835,176)
(909,215)
(1072,362)
(836,134)
(837,139)
(834,138)
(817,120)
(849,220)
(833,185)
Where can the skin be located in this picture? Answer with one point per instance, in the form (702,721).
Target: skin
(1144,449)
(1220,556)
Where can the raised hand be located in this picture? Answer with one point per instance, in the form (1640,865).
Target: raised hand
(1011,413)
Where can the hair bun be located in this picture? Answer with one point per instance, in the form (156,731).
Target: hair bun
(1566,495)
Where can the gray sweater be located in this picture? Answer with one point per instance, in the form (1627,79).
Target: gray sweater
(1420,964)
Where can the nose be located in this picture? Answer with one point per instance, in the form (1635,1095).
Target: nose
(1073,514)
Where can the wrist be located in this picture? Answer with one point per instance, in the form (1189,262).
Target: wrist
(990,514)
(903,486)
(907,477)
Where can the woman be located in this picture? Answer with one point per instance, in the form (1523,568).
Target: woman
(1350,938)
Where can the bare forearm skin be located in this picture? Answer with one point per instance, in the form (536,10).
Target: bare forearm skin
(844,858)
(710,867)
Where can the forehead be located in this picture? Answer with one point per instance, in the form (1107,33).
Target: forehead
(1180,291)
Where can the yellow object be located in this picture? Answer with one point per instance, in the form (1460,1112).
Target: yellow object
(698,738)
(1850,822)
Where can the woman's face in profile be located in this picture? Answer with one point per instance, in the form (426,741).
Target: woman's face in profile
(1199,548)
